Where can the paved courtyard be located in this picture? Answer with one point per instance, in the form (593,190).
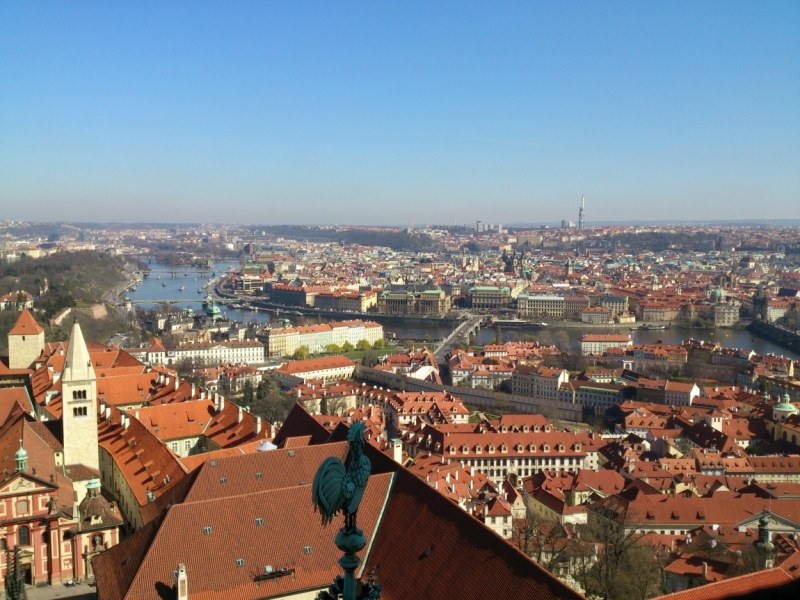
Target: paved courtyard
(49,592)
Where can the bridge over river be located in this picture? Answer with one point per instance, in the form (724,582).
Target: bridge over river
(470,327)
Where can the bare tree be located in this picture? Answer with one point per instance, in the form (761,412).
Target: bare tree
(625,569)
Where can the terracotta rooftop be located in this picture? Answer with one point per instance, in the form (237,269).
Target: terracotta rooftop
(26,325)
(735,586)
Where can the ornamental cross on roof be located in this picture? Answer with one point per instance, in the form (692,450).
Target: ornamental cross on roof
(338,489)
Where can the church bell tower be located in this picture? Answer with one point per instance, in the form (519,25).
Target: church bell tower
(79,403)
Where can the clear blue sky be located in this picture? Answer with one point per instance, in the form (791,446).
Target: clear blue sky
(383,113)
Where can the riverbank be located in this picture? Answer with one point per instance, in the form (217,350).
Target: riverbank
(778,335)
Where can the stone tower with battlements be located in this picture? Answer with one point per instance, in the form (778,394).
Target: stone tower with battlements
(79,403)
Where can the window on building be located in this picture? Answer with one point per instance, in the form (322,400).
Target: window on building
(187,445)
(3,544)
(24,535)
(79,411)
(22,507)
(174,446)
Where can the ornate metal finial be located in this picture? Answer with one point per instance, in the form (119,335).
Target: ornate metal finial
(338,489)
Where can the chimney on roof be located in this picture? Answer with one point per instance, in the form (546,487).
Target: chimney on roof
(299,392)
(193,390)
(397,451)
(108,412)
(221,403)
(183,583)
(238,414)
(177,382)
(136,414)
(126,420)
(705,570)
(472,471)
(257,426)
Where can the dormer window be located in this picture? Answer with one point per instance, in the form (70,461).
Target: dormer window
(577,447)
(520,448)
(536,429)
(451,449)
(503,448)
(465,449)
(491,448)
(561,447)
(524,429)
(546,447)
(478,449)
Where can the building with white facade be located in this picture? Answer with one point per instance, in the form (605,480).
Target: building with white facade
(599,343)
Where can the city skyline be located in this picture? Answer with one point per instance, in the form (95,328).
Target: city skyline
(387,114)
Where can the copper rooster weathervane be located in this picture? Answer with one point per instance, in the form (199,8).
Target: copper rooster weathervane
(336,489)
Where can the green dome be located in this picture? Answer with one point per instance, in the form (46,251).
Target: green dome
(213,311)
(786,407)
(718,293)
(21,454)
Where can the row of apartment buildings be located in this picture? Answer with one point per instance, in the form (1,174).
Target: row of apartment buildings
(286,340)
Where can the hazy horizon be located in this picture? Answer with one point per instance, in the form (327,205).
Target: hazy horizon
(372,114)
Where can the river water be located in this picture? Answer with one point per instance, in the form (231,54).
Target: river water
(152,290)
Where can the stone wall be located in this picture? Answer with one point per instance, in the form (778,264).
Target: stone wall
(475,397)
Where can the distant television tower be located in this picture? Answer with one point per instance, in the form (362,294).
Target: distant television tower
(581,212)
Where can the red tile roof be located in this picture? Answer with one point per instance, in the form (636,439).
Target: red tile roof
(316,364)
(289,525)
(278,468)
(26,325)
(735,586)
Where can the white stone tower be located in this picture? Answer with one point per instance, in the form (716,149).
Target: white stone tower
(79,403)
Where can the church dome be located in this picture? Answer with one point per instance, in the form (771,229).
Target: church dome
(21,454)
(718,294)
(786,406)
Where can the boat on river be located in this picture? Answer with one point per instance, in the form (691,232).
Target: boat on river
(180,289)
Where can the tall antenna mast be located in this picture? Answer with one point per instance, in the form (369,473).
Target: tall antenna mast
(581,212)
